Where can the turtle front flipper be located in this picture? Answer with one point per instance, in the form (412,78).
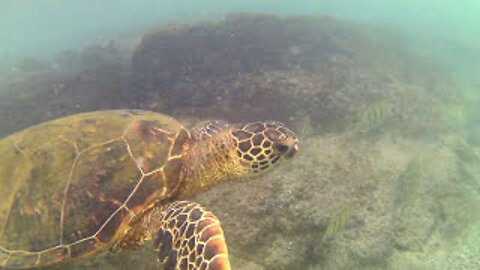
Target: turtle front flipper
(188,237)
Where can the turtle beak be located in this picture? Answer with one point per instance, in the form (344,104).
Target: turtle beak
(291,151)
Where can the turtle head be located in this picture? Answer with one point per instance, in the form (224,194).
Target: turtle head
(260,146)
(218,150)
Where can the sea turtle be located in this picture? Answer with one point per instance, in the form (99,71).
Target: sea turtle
(110,180)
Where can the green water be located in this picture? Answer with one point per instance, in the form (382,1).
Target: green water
(397,189)
(437,28)
(442,30)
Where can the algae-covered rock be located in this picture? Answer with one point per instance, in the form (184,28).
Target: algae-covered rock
(252,64)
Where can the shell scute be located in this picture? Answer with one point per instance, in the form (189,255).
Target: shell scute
(101,180)
(107,232)
(35,203)
(85,247)
(53,255)
(71,186)
(172,172)
(20,259)
(152,186)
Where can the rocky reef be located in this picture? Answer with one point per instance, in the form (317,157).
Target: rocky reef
(384,177)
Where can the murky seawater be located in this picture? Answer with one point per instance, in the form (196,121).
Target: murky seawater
(383,96)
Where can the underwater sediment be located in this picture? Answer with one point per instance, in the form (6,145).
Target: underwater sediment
(379,181)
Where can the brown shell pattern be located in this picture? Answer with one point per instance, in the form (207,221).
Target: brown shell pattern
(69,187)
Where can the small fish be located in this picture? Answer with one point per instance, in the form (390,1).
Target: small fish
(337,222)
(295,50)
(460,113)
(304,127)
(466,151)
(372,117)
(455,115)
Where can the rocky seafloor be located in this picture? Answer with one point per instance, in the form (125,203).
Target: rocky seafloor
(400,191)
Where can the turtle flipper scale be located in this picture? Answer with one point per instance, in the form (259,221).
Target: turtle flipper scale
(187,236)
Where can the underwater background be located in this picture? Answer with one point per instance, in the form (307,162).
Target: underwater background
(384,95)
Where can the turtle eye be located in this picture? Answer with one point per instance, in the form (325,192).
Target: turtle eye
(282,148)
(288,148)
